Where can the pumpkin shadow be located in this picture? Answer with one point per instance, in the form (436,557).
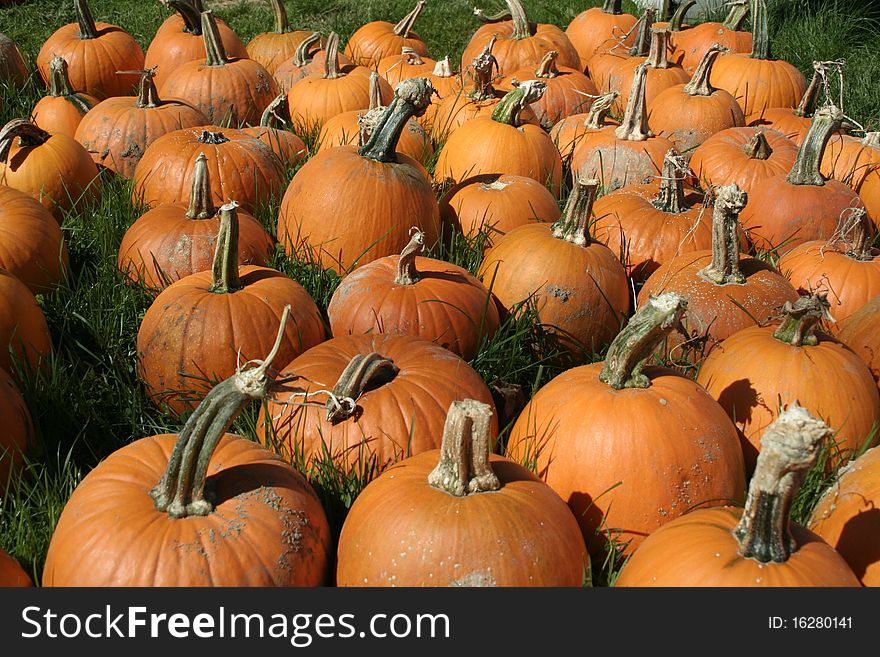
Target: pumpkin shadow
(255,479)
(738,399)
(858,541)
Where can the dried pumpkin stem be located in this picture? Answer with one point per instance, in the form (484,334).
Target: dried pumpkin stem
(789,448)
(515,12)
(483,69)
(739,11)
(699,83)
(724,268)
(806,169)
(442,68)
(224,269)
(331,58)
(147,95)
(464,467)
(547,67)
(612,7)
(201,204)
(402,29)
(59,85)
(277,113)
(871,140)
(411,98)
(181,491)
(807,105)
(28,134)
(599,111)
(632,347)
(514,102)
(658,55)
(801,317)
(301,54)
(634,125)
(760,30)
(190,13)
(411,57)
(279,15)
(855,231)
(672,197)
(677,20)
(209,137)
(361,370)
(87,27)
(407,274)
(758,147)
(215,51)
(642,43)
(574,225)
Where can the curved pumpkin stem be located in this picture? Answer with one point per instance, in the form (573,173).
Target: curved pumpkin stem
(279,15)
(214,49)
(801,317)
(677,20)
(547,67)
(514,102)
(464,465)
(189,12)
(760,30)
(28,134)
(181,491)
(277,113)
(739,11)
(699,83)
(789,448)
(632,347)
(402,29)
(807,105)
(724,268)
(671,197)
(642,43)
(806,169)
(407,274)
(634,125)
(87,27)
(484,66)
(574,225)
(301,54)
(201,205)
(331,58)
(599,111)
(855,232)
(224,269)
(411,98)
(60,87)
(522,29)
(361,370)
(658,55)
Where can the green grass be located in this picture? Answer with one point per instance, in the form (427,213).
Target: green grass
(89,401)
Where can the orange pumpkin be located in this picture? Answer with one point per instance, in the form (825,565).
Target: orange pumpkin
(408,64)
(446,83)
(12,574)
(270,49)
(603,66)
(493,521)
(17,435)
(599,29)
(290,149)
(63,109)
(691,45)
(13,68)
(757,545)
(861,333)
(310,58)
(856,162)
(378,39)
(24,334)
(571,130)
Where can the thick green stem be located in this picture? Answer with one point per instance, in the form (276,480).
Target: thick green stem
(362,370)
(789,448)
(411,98)
(760,30)
(801,317)
(724,268)
(636,342)
(758,147)
(402,29)
(464,465)
(547,67)
(514,102)
(642,44)
(699,84)
(677,20)
(806,169)
(634,126)
(574,225)
(60,87)
(599,111)
(407,274)
(201,204)
(181,491)
(28,134)
(190,13)
(658,56)
(215,51)
(671,198)
(301,54)
(739,11)
(612,7)
(279,14)
(331,58)
(87,27)
(224,270)
(522,29)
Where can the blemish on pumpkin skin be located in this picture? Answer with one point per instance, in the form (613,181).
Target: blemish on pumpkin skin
(561,293)
(474,579)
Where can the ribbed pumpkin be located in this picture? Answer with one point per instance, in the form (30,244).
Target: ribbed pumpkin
(460,516)
(579,286)
(94,53)
(755,370)
(411,295)
(12,574)
(690,45)
(757,545)
(227,90)
(310,58)
(446,82)
(861,333)
(17,434)
(63,109)
(725,291)
(856,162)
(629,446)
(179,40)
(117,131)
(408,64)
(13,68)
(521,43)
(24,334)
(599,29)
(569,131)
(500,143)
(378,39)
(288,147)
(241,167)
(847,516)
(603,66)
(270,49)
(384,192)
(367,401)
(200,508)
(54,169)
(201,327)
(174,240)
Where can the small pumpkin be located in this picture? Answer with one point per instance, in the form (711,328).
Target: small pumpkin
(63,109)
(691,45)
(13,68)
(270,49)
(600,29)
(12,574)
(310,58)
(24,333)
(378,39)
(569,131)
(408,64)
(288,147)
(445,82)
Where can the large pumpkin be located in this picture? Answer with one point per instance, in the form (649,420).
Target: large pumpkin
(378,39)
(691,44)
(24,333)
(599,29)
(64,108)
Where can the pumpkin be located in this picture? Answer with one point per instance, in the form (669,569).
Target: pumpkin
(691,45)
(861,334)
(387,192)
(117,131)
(24,334)
(94,53)
(179,40)
(174,240)
(289,148)
(756,369)
(726,291)
(687,115)
(629,446)
(310,58)
(493,521)
(856,162)
(446,83)
(579,287)
(500,143)
(199,327)
(54,169)
(225,89)
(411,295)
(241,167)
(600,29)
(846,516)
(375,399)
(200,508)
(17,435)
(604,65)
(802,206)
(757,545)
(378,39)
(629,154)
(408,64)
(13,68)
(755,80)
(648,229)
(569,131)
(32,248)
(12,574)
(270,49)
(521,43)
(63,109)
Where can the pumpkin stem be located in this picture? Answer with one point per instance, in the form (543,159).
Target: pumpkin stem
(443,69)
(574,225)
(758,147)
(87,27)
(632,347)
(599,110)
(807,105)
(871,140)
(724,268)
(201,205)
(760,30)
(514,102)
(789,448)
(375,91)
(29,134)
(277,113)
(209,137)
(301,54)
(634,125)
(367,122)
(806,169)
(362,370)
(739,11)
(189,12)
(677,20)
(181,491)
(403,28)
(224,269)
(484,66)
(407,274)
(547,68)
(279,13)
(59,85)
(612,7)
(147,95)
(855,231)
(215,51)
(331,58)
(798,328)
(411,98)
(515,12)
(412,57)
(699,83)
(658,55)
(642,44)
(464,465)
(671,198)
